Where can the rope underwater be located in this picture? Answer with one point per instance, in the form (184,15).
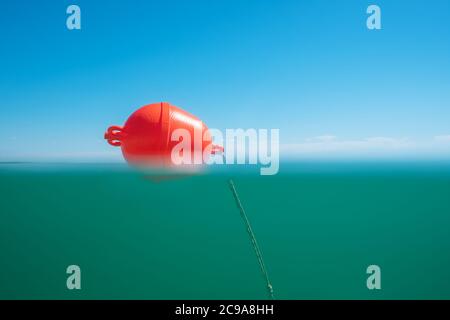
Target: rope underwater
(252,238)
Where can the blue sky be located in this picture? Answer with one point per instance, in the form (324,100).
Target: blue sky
(310,68)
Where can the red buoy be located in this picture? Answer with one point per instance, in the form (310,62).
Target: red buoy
(146,140)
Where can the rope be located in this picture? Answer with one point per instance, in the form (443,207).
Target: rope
(252,238)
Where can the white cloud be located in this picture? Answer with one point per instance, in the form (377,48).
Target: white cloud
(442,138)
(330,145)
(324,138)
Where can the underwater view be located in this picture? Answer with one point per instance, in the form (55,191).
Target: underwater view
(319,225)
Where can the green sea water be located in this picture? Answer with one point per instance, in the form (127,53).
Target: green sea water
(319,226)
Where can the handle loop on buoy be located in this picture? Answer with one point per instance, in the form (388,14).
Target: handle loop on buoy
(114,134)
